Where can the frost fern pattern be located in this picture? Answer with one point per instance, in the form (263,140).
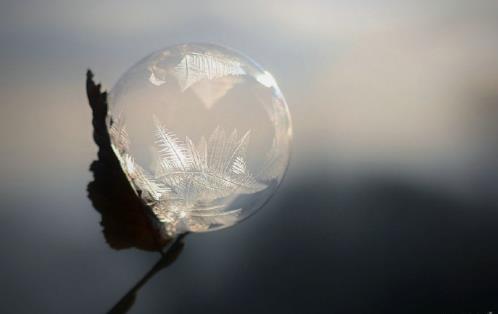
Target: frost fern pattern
(192,184)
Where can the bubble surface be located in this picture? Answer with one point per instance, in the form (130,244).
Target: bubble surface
(203,134)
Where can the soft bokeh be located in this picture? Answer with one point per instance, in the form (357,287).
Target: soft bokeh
(404,90)
(370,84)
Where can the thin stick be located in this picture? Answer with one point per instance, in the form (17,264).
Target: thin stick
(168,256)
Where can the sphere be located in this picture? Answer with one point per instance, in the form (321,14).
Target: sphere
(203,134)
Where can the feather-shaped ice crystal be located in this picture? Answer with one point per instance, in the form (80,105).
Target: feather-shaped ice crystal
(202,134)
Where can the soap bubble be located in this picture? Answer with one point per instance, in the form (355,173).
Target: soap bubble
(203,134)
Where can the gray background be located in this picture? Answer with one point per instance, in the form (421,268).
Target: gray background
(390,199)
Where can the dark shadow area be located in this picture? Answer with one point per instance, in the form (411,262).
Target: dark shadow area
(380,246)
(126,220)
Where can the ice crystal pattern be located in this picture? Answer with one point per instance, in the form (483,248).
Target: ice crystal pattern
(199,70)
(192,184)
(195,67)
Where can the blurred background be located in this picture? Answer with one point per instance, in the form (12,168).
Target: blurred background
(390,203)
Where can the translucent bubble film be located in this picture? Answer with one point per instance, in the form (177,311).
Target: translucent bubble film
(203,134)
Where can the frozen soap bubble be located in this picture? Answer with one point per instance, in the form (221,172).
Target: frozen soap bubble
(203,134)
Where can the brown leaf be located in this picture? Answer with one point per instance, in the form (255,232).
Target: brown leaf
(126,220)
